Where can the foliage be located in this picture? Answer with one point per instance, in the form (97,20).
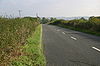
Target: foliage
(52,19)
(33,55)
(92,25)
(44,20)
(13,35)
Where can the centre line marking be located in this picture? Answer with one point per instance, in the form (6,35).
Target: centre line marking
(96,49)
(63,32)
(74,38)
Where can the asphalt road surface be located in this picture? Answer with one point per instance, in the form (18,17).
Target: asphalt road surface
(64,47)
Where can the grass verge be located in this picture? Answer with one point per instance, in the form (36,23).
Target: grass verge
(32,52)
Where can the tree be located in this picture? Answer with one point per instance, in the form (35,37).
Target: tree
(44,20)
(52,19)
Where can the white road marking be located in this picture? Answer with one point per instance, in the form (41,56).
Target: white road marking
(63,32)
(96,49)
(73,38)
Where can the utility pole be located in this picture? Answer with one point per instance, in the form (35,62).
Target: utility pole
(33,12)
(19,13)
(13,15)
(6,15)
(38,18)
(37,15)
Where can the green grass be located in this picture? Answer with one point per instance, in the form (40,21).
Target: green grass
(20,43)
(32,51)
(13,34)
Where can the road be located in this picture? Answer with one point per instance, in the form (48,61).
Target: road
(64,47)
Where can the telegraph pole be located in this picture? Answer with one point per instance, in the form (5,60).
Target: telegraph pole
(6,15)
(19,13)
(37,15)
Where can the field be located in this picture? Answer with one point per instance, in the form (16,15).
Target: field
(15,41)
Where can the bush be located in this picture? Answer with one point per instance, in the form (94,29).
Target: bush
(13,34)
(93,24)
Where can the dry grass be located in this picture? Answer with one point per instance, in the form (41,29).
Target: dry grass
(13,34)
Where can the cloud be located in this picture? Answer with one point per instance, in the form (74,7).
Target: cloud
(51,7)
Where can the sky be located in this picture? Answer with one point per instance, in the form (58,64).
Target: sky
(50,8)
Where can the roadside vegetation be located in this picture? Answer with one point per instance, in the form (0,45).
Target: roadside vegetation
(91,26)
(47,20)
(20,43)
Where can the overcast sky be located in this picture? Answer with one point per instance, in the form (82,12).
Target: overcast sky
(66,8)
